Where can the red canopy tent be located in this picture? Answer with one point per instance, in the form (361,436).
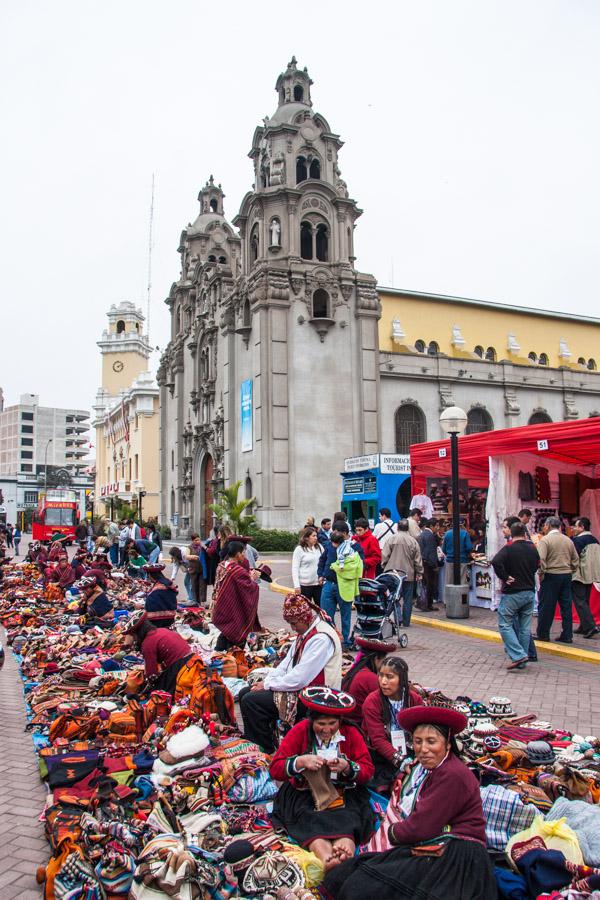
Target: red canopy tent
(576,443)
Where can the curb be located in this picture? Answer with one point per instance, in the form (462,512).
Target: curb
(574,654)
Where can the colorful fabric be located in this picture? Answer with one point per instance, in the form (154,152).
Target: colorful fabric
(504,815)
(235,601)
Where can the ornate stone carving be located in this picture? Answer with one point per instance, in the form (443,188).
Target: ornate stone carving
(571,411)
(511,404)
(346,290)
(278,169)
(446,397)
(315,203)
(366,297)
(297,282)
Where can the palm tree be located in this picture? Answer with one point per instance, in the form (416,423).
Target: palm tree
(232,511)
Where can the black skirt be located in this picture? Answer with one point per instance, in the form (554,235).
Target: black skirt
(463,872)
(294,810)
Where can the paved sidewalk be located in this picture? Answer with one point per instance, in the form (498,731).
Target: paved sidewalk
(23,846)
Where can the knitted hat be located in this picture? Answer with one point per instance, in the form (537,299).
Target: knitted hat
(135,621)
(540,753)
(481,731)
(500,707)
(297,608)
(327,701)
(411,718)
(373,645)
(87,582)
(239,855)
(153,568)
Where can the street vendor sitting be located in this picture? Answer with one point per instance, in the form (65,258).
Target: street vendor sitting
(161,600)
(63,573)
(433,833)
(57,545)
(314,658)
(361,678)
(324,763)
(95,606)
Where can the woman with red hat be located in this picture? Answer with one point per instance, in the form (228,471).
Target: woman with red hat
(235,598)
(386,739)
(95,605)
(63,573)
(433,833)
(361,678)
(324,765)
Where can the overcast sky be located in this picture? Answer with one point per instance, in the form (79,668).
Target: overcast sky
(472,144)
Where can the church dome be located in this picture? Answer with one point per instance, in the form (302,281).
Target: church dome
(211,212)
(286,113)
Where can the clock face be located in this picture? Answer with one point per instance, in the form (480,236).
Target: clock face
(117,366)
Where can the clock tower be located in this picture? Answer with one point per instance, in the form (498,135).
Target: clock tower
(124,347)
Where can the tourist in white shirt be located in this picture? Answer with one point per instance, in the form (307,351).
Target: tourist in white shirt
(385,528)
(305,561)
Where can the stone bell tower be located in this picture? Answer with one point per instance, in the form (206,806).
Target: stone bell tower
(307,317)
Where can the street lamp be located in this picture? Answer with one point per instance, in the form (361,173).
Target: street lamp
(46,466)
(454,421)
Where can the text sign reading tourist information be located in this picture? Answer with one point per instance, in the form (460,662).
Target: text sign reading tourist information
(394,463)
(246,414)
(360,463)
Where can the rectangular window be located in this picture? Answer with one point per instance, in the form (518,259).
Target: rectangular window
(107,474)
(130,468)
(26,429)
(26,417)
(26,467)
(123,469)
(55,516)
(26,454)
(69,418)
(26,442)
(31,496)
(137,467)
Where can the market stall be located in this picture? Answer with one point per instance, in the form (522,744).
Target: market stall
(550,468)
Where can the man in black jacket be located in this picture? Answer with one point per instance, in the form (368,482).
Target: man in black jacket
(516,565)
(428,542)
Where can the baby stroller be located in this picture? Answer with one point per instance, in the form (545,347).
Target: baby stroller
(379,608)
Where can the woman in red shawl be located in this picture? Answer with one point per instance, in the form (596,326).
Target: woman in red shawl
(63,573)
(235,598)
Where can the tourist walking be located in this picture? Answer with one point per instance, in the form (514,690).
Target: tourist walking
(587,572)
(305,564)
(428,544)
(402,554)
(558,562)
(516,565)
(385,528)
(17,539)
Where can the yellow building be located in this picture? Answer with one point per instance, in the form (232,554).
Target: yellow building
(126,418)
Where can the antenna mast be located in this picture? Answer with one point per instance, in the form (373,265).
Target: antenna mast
(149,288)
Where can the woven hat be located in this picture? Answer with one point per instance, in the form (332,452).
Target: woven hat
(411,718)
(270,871)
(373,645)
(481,731)
(327,700)
(87,582)
(135,621)
(540,753)
(500,707)
(492,743)
(153,568)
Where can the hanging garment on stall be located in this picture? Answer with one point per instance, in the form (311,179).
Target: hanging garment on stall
(589,505)
(568,494)
(422,503)
(526,486)
(542,485)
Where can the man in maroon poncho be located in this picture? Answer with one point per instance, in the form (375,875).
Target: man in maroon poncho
(63,573)
(235,598)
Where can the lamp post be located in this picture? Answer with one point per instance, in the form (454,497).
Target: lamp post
(453,421)
(46,466)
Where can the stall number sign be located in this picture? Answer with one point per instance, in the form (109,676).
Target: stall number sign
(542,445)
(394,463)
(354,485)
(442,452)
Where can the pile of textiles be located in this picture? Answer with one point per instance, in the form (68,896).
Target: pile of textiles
(148,798)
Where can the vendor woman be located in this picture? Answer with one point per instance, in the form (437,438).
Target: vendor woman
(161,599)
(95,605)
(436,807)
(324,763)
(386,739)
(361,678)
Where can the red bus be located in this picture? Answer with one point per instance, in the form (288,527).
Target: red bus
(57,511)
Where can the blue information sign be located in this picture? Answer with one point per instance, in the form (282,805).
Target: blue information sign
(246,414)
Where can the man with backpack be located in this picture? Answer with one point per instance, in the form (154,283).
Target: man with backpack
(385,528)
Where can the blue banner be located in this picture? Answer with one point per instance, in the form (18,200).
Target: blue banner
(246,414)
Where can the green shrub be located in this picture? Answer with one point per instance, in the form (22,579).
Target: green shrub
(271,540)
(165,532)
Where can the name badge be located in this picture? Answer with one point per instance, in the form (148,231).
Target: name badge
(399,742)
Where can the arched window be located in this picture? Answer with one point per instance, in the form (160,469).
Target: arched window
(212,258)
(543,360)
(172,504)
(410,427)
(306,248)
(315,169)
(433,349)
(320,304)
(322,242)
(532,356)
(539,418)
(478,351)
(214,205)
(490,354)
(478,420)
(592,365)
(254,244)
(298,93)
(223,260)
(246,314)
(248,488)
(301,169)
(120,326)
(581,361)
(420,346)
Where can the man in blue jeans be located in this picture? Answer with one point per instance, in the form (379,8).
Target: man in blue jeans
(330,597)
(516,565)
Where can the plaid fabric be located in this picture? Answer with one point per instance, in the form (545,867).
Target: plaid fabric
(504,814)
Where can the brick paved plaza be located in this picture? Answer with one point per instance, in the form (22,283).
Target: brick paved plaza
(562,691)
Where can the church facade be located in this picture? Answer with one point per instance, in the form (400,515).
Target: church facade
(280,363)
